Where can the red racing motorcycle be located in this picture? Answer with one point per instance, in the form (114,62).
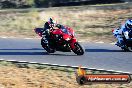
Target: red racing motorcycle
(62,39)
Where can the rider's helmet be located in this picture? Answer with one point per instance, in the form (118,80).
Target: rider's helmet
(52,22)
(128,24)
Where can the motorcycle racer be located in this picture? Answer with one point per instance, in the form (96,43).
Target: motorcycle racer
(50,24)
(57,37)
(123,31)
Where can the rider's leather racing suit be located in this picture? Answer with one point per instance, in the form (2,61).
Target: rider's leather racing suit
(120,33)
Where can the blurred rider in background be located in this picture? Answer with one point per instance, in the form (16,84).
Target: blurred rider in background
(123,32)
(49,25)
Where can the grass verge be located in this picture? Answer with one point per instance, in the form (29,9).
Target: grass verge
(26,75)
(89,24)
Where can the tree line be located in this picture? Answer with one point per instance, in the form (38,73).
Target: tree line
(50,3)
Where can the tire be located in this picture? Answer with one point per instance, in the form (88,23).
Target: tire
(79,50)
(47,47)
(130,49)
(127,49)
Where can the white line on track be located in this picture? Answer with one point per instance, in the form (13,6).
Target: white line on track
(3,37)
(28,38)
(65,66)
(113,43)
(99,42)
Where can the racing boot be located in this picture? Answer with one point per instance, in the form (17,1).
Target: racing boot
(118,44)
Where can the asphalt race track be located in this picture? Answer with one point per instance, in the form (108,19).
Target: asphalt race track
(99,56)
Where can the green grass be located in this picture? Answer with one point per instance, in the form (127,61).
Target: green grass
(48,67)
(111,4)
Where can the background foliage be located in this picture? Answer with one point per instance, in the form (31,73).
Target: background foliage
(49,3)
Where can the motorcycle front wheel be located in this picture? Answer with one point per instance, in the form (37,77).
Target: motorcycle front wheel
(130,49)
(79,50)
(127,49)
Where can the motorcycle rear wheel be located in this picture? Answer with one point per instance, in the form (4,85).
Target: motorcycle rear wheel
(79,50)
(47,47)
